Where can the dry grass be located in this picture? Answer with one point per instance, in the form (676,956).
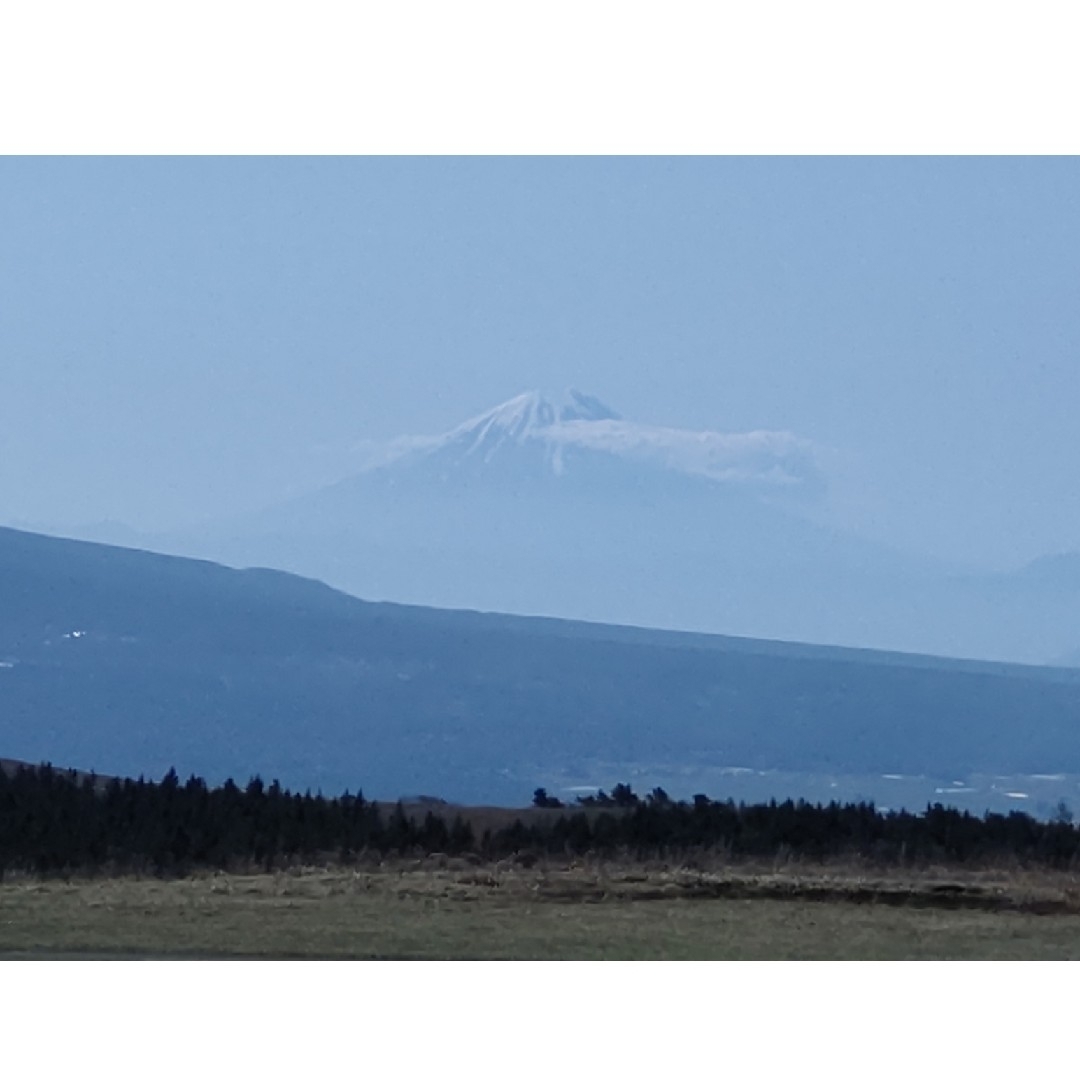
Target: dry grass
(443,908)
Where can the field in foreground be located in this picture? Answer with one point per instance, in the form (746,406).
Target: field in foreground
(433,911)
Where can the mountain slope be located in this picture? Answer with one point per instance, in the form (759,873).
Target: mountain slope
(126,662)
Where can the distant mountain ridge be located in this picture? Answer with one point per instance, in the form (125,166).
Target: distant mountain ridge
(128,663)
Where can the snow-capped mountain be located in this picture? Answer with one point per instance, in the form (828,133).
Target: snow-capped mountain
(532,434)
(560,506)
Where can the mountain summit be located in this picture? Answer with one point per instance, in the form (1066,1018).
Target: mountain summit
(529,418)
(529,415)
(576,433)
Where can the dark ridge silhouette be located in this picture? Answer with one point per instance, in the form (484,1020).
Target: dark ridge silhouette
(129,663)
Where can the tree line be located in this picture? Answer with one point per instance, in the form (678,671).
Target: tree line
(57,822)
(54,821)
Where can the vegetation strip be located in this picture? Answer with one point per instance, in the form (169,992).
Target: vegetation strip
(54,822)
(446,908)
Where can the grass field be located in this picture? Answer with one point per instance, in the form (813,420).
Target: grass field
(434,910)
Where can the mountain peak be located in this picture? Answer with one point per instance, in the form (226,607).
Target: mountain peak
(533,410)
(537,435)
(527,416)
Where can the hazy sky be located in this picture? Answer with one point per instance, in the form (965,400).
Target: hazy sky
(181,337)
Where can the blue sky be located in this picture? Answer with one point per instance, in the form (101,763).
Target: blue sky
(181,337)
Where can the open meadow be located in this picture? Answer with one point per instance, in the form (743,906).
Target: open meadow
(448,909)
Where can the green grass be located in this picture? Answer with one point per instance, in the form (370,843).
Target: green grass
(491,913)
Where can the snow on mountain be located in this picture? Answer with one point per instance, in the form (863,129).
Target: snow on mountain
(553,432)
(530,415)
(766,457)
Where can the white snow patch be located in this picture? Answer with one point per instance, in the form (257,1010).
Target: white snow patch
(770,457)
(576,420)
